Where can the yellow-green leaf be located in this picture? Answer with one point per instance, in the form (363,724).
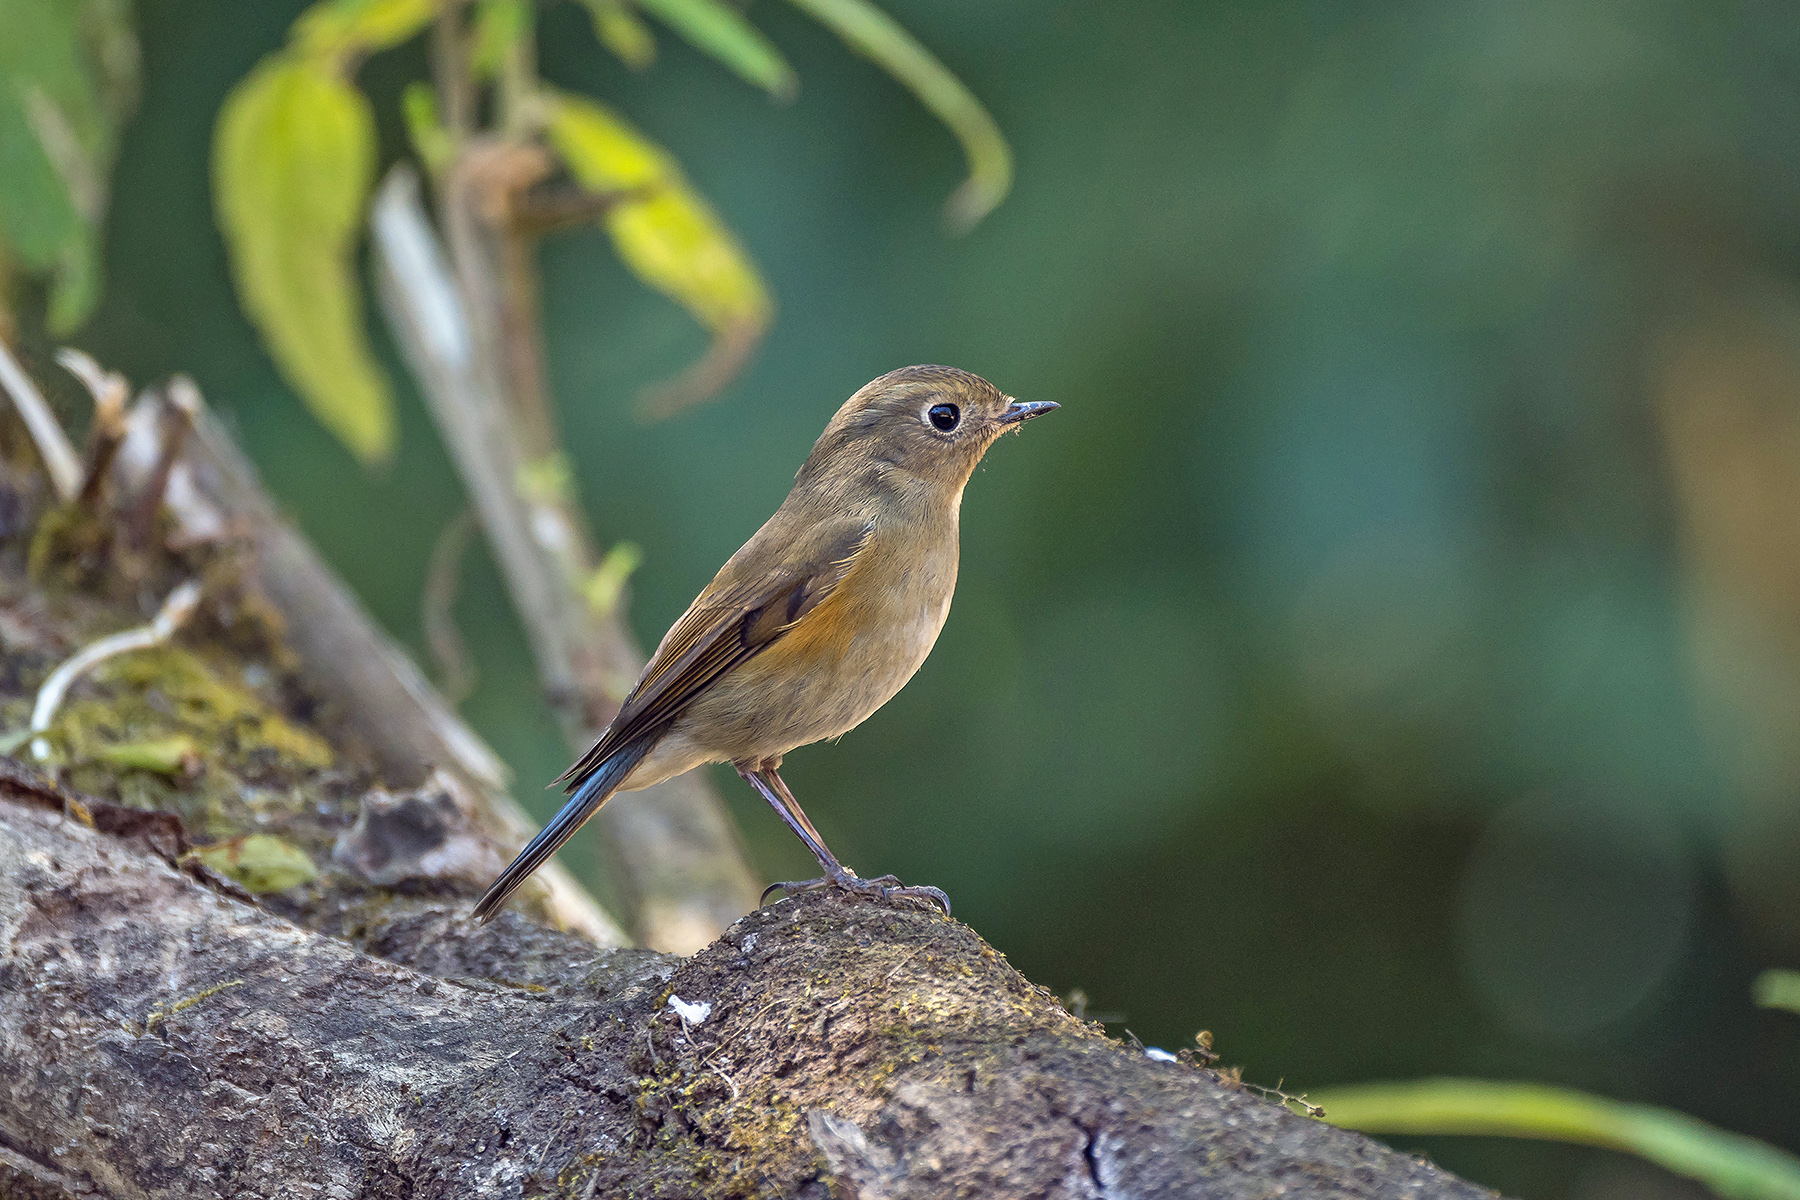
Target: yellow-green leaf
(1777,989)
(1732,1165)
(261,862)
(667,235)
(499,25)
(674,241)
(721,31)
(336,27)
(606,583)
(293,157)
(620,31)
(430,140)
(165,756)
(872,33)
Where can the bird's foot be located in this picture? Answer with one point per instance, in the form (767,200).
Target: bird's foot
(883,889)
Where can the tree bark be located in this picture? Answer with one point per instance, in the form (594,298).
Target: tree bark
(160,1037)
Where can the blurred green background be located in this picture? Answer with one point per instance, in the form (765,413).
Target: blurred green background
(1390,657)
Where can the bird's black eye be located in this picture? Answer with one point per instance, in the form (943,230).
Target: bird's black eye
(944,416)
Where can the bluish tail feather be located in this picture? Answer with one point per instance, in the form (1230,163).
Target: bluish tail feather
(589,794)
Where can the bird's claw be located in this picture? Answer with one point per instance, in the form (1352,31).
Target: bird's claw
(883,889)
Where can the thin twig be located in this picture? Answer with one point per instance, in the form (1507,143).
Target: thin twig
(1287,1099)
(730,352)
(181,404)
(449,67)
(110,391)
(443,579)
(547,210)
(60,460)
(174,612)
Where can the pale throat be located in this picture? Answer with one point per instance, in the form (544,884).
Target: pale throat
(925,498)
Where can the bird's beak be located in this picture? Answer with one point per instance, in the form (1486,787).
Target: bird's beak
(1016,412)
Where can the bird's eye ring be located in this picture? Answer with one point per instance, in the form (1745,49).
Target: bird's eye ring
(944,416)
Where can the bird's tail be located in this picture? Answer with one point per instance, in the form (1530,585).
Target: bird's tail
(593,791)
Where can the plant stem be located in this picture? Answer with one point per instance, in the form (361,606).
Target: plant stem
(675,851)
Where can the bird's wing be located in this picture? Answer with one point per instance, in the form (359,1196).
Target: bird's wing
(740,613)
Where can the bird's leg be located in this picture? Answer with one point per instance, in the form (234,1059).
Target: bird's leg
(796,821)
(773,788)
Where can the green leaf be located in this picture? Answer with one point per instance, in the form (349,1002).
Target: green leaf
(1777,989)
(499,25)
(871,32)
(338,27)
(110,41)
(37,216)
(606,583)
(721,31)
(74,284)
(46,55)
(68,78)
(8,275)
(620,31)
(667,235)
(1732,1165)
(261,862)
(170,755)
(293,157)
(430,140)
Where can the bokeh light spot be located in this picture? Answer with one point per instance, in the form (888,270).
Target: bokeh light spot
(1572,909)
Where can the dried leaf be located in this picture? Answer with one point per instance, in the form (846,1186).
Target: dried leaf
(293,157)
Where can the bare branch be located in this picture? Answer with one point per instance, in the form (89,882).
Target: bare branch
(180,405)
(60,460)
(110,392)
(675,852)
(437,608)
(729,353)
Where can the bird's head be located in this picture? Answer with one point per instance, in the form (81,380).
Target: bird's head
(932,423)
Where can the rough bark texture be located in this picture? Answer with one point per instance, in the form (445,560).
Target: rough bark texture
(162,1037)
(345,1032)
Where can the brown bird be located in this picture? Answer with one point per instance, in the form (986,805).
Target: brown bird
(815,623)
